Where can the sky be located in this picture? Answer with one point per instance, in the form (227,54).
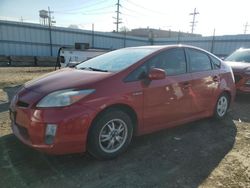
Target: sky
(225,16)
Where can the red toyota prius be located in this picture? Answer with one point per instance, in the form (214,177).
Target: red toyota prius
(99,105)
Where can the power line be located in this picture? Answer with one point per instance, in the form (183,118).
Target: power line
(193,22)
(130,15)
(98,13)
(128,9)
(83,7)
(145,8)
(97,9)
(85,12)
(132,11)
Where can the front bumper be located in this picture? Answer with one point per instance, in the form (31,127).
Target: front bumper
(241,83)
(29,126)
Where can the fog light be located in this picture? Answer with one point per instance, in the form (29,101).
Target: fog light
(50,133)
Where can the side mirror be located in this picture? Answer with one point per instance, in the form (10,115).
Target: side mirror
(62,59)
(156,74)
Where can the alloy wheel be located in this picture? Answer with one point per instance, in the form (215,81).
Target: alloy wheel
(222,106)
(113,135)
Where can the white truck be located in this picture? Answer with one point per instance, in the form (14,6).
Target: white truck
(70,57)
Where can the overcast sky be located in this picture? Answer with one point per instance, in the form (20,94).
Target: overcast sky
(227,17)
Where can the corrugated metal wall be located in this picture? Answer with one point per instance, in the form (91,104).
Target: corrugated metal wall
(219,45)
(33,40)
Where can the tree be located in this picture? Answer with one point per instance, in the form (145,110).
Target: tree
(73,26)
(124,29)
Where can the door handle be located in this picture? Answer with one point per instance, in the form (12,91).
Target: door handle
(137,93)
(216,78)
(186,85)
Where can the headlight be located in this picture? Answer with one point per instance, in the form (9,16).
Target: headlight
(247,70)
(63,97)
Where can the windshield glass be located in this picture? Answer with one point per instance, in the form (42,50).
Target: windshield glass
(116,60)
(239,56)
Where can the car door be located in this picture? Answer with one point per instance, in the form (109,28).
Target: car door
(168,100)
(204,81)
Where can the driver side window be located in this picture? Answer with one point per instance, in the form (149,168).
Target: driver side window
(173,61)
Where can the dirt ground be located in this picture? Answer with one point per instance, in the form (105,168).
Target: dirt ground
(205,153)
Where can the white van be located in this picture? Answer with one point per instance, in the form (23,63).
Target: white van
(69,57)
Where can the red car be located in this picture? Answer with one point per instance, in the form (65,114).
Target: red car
(240,63)
(99,105)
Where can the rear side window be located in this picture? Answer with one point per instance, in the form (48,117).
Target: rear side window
(198,61)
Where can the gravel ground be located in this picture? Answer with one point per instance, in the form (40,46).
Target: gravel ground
(10,80)
(205,153)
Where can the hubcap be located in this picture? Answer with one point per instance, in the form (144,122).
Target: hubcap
(113,135)
(222,106)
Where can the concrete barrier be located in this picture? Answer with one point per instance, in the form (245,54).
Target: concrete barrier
(4,61)
(22,61)
(46,61)
(26,61)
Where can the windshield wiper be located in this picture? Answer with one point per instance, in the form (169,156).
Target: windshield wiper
(93,69)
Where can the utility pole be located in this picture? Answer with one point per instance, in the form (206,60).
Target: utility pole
(245,27)
(151,37)
(125,36)
(93,35)
(213,40)
(193,22)
(179,37)
(50,34)
(118,20)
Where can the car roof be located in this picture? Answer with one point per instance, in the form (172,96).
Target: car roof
(243,49)
(158,47)
(162,47)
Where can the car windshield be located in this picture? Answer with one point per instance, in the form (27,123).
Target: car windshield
(117,60)
(239,56)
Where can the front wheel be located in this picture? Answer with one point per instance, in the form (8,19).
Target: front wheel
(110,135)
(222,106)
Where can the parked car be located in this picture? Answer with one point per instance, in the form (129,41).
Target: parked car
(240,63)
(99,105)
(71,57)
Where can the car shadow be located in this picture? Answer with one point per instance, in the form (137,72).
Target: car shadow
(179,157)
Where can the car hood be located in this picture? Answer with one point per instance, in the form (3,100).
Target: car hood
(238,66)
(65,79)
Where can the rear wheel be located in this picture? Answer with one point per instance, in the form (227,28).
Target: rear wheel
(110,135)
(222,106)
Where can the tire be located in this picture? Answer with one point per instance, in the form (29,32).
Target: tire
(110,135)
(222,106)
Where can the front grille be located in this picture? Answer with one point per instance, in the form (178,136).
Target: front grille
(22,104)
(23,131)
(237,78)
